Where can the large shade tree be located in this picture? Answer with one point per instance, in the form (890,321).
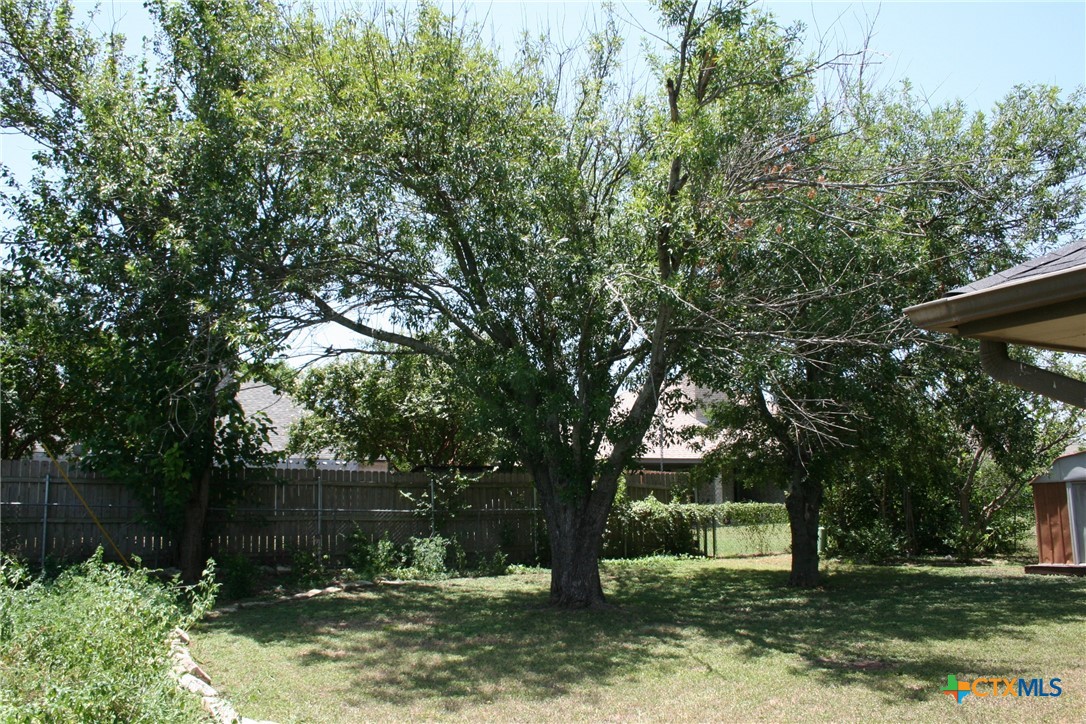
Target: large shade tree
(573,238)
(550,234)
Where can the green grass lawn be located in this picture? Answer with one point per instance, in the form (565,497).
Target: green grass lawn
(690,640)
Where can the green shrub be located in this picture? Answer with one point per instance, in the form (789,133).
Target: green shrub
(373,559)
(14,573)
(496,565)
(1001,536)
(310,569)
(648,527)
(238,576)
(457,557)
(92,645)
(875,543)
(427,558)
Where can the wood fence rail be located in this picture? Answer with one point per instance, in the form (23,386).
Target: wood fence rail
(315,510)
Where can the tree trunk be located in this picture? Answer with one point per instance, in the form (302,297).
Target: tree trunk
(965,493)
(191,541)
(803,503)
(575,571)
(575,525)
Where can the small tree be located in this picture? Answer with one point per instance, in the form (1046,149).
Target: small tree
(1003,439)
(406,408)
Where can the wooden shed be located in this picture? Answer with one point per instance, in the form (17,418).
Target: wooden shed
(1059,503)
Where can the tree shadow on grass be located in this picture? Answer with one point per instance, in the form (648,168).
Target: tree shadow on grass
(839,633)
(465,643)
(453,642)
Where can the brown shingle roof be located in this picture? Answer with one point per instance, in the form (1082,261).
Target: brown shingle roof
(280,408)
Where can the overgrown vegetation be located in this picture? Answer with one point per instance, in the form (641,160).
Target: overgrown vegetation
(428,558)
(636,529)
(91,645)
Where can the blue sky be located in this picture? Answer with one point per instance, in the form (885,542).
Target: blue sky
(975,51)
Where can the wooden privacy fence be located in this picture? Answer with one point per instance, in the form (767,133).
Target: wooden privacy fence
(315,510)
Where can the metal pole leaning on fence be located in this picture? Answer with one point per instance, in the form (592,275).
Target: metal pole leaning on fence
(87,507)
(45,522)
(320,516)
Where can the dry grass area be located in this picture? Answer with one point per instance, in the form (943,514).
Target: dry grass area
(686,640)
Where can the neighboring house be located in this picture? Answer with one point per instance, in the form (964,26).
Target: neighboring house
(282,410)
(679,443)
(672,447)
(682,442)
(665,451)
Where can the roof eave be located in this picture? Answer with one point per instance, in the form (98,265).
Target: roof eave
(948,313)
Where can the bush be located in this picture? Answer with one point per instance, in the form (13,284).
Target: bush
(424,559)
(648,527)
(309,569)
(238,576)
(92,645)
(14,573)
(427,558)
(373,559)
(1001,536)
(496,565)
(875,543)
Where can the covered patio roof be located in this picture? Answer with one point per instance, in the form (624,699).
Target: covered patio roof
(1041,303)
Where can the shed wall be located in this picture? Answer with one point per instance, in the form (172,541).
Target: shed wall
(1053,523)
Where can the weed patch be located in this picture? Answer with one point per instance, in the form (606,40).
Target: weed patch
(91,645)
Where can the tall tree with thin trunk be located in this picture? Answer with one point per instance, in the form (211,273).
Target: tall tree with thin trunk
(834,361)
(146,179)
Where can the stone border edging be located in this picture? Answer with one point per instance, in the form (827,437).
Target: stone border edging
(311,593)
(191,677)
